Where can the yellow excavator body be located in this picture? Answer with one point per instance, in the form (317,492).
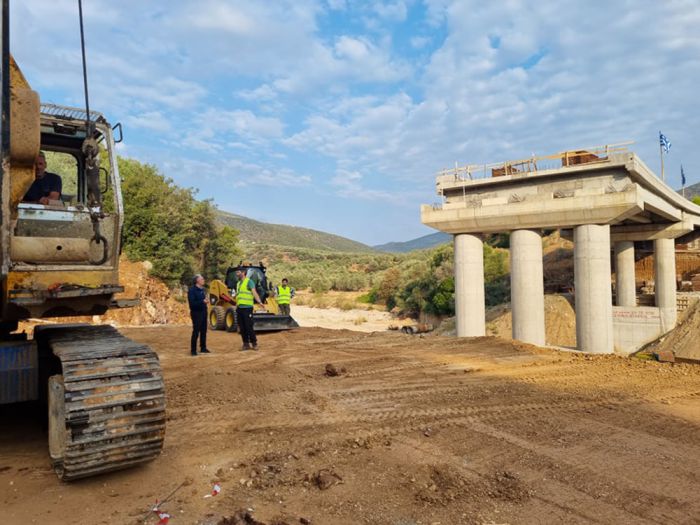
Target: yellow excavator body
(104,393)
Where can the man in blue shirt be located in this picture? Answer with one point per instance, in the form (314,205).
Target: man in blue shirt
(198,301)
(46,186)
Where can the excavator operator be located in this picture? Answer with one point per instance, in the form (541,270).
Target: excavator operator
(46,187)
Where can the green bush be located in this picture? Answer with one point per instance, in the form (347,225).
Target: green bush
(166,225)
(320,285)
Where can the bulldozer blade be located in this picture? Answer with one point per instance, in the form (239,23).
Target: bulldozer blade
(271,322)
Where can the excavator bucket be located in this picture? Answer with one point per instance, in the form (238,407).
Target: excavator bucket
(267,322)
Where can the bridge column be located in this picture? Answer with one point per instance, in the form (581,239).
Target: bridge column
(624,274)
(594,326)
(665,281)
(527,286)
(470,305)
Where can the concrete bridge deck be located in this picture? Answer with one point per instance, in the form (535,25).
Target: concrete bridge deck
(607,198)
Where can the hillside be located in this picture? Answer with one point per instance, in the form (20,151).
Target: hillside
(691,191)
(252,231)
(427,241)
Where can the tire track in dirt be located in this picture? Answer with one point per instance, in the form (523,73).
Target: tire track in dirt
(584,468)
(449,413)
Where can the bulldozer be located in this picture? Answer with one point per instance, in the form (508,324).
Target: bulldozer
(222,302)
(103,392)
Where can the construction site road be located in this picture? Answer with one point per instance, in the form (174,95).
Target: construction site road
(339,427)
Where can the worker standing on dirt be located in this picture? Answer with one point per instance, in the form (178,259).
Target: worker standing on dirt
(197,299)
(284,297)
(246,297)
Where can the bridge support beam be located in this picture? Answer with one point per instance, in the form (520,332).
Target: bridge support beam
(594,326)
(665,281)
(527,286)
(626,293)
(470,305)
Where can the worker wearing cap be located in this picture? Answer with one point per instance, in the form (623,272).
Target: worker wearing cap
(284,297)
(246,297)
(198,301)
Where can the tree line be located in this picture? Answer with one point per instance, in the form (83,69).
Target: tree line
(166,225)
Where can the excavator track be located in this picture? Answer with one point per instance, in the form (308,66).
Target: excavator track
(107,407)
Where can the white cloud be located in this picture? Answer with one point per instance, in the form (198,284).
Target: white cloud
(337,5)
(291,92)
(395,11)
(349,184)
(150,120)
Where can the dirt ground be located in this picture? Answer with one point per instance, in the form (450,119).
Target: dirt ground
(430,430)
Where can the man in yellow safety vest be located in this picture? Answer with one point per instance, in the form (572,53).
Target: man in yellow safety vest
(246,297)
(284,297)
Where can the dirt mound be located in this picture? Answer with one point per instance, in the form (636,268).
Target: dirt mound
(559,320)
(157,303)
(683,339)
(558,261)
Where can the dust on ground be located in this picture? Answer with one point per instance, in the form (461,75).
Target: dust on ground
(415,431)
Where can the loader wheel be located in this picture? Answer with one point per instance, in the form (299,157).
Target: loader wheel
(217,319)
(231,321)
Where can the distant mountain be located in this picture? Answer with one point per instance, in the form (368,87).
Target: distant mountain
(427,241)
(691,191)
(252,231)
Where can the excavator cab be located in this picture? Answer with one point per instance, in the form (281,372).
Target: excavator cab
(64,253)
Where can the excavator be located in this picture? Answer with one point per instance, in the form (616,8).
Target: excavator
(222,302)
(103,392)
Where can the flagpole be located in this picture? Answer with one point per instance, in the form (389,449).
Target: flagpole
(661,154)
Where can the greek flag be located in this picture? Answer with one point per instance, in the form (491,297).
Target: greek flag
(682,175)
(665,143)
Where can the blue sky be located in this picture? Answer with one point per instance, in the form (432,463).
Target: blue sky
(336,115)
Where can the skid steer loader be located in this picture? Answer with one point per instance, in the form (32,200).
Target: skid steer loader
(222,302)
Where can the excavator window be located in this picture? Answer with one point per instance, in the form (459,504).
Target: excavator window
(67,222)
(65,165)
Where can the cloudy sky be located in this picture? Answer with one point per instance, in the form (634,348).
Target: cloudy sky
(336,114)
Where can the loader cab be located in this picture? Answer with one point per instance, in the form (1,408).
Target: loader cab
(256,273)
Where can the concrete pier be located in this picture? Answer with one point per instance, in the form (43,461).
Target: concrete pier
(470,303)
(625,287)
(594,327)
(665,281)
(527,286)
(599,197)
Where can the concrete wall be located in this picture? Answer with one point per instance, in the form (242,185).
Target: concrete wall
(635,327)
